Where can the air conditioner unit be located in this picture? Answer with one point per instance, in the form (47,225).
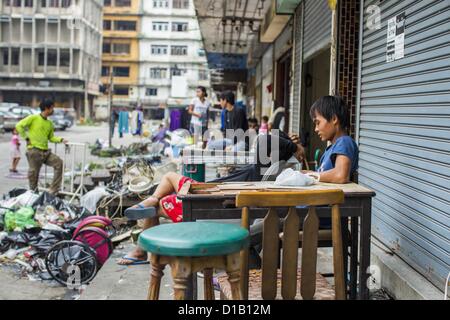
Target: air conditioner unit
(273,24)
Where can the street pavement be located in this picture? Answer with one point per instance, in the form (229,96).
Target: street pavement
(76,134)
(13,285)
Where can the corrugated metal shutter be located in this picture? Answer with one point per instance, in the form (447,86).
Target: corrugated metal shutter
(298,63)
(317,30)
(404,135)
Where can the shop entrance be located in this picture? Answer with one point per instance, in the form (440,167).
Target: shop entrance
(316,78)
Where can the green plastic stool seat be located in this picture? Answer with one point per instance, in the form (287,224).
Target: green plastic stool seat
(194,239)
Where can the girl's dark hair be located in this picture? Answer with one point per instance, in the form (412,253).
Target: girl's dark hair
(265,118)
(203,90)
(330,106)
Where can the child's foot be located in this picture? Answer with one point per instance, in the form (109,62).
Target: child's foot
(145,209)
(137,256)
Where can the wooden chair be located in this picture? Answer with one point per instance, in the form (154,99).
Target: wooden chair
(191,247)
(310,198)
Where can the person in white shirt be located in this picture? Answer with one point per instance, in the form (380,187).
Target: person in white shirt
(198,109)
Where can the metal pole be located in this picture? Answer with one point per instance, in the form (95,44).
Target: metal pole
(334,42)
(86,88)
(111,89)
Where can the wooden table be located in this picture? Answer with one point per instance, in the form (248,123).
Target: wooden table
(217,201)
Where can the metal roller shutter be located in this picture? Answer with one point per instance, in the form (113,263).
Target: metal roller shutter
(404,135)
(317,27)
(297,63)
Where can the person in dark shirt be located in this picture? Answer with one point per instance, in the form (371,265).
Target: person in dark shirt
(235,119)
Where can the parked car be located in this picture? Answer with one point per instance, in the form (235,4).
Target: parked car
(22,111)
(58,124)
(2,125)
(9,120)
(5,106)
(63,116)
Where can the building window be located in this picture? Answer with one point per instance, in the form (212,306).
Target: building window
(178,50)
(159,50)
(158,73)
(121,91)
(66,3)
(160,3)
(180,4)
(15,57)
(160,26)
(121,72)
(41,58)
(121,48)
(105,71)
(106,47)
(5,57)
(15,3)
(64,58)
(203,74)
(107,3)
(151,92)
(179,26)
(51,3)
(51,58)
(106,24)
(28,3)
(175,71)
(123,3)
(124,25)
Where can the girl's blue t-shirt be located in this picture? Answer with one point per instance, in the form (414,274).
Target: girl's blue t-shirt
(344,145)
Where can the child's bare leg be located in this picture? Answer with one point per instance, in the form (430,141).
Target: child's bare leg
(168,185)
(15,163)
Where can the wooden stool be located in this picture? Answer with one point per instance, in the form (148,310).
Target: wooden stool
(192,247)
(292,199)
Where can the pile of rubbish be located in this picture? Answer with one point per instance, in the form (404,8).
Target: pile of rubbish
(45,237)
(102,149)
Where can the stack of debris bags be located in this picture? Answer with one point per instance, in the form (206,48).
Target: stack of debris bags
(30,225)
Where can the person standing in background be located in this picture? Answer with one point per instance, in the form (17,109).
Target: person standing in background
(199,109)
(15,151)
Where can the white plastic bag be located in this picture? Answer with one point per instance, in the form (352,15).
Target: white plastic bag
(291,178)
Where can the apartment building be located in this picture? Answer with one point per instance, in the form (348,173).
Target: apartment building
(50,48)
(121,25)
(155,52)
(172,59)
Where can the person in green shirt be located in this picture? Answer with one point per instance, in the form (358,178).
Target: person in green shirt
(38,130)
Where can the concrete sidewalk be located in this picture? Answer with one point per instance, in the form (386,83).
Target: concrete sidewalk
(116,282)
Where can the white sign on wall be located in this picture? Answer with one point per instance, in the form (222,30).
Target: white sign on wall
(179,87)
(395,49)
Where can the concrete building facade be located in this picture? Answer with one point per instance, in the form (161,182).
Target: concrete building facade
(172,59)
(50,48)
(121,25)
(154,51)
